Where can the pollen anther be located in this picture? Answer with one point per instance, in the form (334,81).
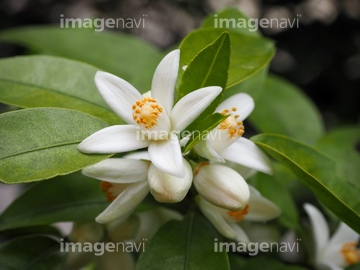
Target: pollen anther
(146,112)
(239,215)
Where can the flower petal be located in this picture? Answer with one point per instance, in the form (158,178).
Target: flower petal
(113,139)
(118,94)
(246,153)
(205,150)
(125,203)
(241,236)
(213,214)
(167,188)
(260,208)
(142,155)
(164,80)
(166,156)
(118,170)
(242,102)
(187,109)
(319,227)
(332,253)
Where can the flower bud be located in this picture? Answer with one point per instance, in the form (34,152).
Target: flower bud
(221,186)
(167,188)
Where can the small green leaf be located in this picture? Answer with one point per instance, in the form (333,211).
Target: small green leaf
(283,108)
(44,81)
(208,68)
(41,143)
(185,245)
(341,144)
(204,127)
(31,253)
(231,19)
(248,54)
(316,171)
(67,198)
(123,55)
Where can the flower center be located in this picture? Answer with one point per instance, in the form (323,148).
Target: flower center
(239,215)
(350,252)
(231,124)
(146,112)
(112,190)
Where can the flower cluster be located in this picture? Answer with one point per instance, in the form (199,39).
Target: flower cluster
(161,168)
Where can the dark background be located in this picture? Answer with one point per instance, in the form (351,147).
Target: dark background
(322,56)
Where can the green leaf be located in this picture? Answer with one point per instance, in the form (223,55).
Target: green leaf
(31,253)
(44,81)
(341,144)
(316,171)
(185,245)
(204,127)
(248,54)
(253,85)
(283,108)
(259,262)
(208,68)
(231,19)
(41,143)
(123,55)
(273,188)
(72,197)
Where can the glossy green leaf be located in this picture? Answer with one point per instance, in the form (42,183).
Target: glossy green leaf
(208,68)
(123,55)
(316,171)
(44,81)
(342,144)
(231,19)
(273,188)
(67,198)
(254,86)
(248,54)
(283,108)
(41,143)
(31,253)
(185,245)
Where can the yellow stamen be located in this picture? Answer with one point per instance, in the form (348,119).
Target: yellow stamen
(234,127)
(350,252)
(146,112)
(105,187)
(239,215)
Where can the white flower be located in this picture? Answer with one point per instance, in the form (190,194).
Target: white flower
(125,184)
(222,186)
(225,142)
(226,222)
(152,121)
(127,181)
(337,252)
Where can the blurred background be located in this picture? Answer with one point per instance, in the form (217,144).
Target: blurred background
(322,56)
